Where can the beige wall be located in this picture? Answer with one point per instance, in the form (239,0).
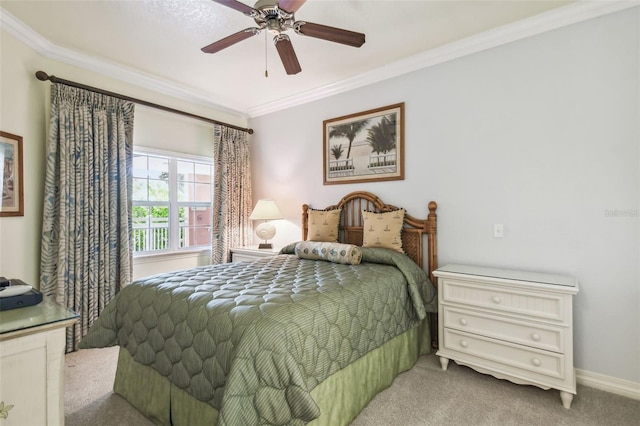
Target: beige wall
(24,106)
(22,112)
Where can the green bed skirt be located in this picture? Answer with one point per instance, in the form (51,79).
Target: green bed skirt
(340,397)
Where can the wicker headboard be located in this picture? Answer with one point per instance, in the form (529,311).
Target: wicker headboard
(351,225)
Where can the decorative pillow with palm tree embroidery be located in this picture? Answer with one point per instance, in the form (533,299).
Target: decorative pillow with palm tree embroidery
(323,225)
(383,230)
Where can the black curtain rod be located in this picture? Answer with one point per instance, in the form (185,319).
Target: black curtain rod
(43,76)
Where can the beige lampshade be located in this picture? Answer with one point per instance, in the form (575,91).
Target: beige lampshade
(265,210)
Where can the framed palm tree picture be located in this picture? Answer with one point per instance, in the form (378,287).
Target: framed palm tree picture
(364,147)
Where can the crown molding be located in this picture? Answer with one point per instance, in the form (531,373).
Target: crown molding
(579,11)
(19,30)
(43,46)
(573,13)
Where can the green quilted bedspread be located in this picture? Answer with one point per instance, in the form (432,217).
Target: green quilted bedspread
(254,338)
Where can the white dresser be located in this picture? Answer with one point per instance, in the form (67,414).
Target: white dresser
(514,325)
(32,344)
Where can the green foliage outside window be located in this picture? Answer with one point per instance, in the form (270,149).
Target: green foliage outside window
(156,197)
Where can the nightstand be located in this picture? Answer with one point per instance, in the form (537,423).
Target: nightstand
(249,253)
(514,325)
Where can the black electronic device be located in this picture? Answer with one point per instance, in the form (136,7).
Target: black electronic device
(17,294)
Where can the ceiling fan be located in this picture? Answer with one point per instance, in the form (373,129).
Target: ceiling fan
(276,17)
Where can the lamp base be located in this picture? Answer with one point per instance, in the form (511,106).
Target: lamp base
(265,246)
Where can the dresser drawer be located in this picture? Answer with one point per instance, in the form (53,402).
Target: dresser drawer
(546,305)
(506,357)
(525,333)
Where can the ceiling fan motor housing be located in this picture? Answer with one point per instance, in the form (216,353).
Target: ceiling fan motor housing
(271,17)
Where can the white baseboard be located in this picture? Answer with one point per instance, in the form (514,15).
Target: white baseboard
(609,384)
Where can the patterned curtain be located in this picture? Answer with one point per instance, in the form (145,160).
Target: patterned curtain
(232,193)
(86,249)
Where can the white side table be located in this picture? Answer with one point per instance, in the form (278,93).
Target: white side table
(239,254)
(32,346)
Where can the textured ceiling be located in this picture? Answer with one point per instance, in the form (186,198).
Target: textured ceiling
(161,40)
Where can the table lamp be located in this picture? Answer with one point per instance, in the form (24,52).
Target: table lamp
(265,210)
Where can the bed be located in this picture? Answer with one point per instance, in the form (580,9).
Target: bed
(308,336)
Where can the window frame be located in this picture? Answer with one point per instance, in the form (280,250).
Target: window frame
(174,205)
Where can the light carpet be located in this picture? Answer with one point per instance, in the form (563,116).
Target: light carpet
(423,396)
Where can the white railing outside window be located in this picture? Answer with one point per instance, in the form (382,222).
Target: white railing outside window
(172,202)
(151,234)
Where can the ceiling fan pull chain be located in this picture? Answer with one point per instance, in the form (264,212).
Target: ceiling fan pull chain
(266,72)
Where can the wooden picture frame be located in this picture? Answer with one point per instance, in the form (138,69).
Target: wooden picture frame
(364,147)
(11,184)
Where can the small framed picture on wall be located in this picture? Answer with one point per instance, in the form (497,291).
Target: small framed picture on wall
(11,183)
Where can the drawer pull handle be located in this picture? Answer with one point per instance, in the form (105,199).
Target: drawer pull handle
(496,299)
(536,362)
(463,321)
(535,337)
(464,343)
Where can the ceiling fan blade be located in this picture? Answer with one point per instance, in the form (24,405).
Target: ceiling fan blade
(287,54)
(240,7)
(325,32)
(291,6)
(230,40)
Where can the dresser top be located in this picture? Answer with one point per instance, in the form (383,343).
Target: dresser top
(45,313)
(508,274)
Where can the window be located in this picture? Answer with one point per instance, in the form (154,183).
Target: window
(172,202)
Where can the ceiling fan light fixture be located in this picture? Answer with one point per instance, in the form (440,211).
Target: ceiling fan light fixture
(273,26)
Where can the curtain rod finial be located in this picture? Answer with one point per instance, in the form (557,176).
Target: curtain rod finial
(42,76)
